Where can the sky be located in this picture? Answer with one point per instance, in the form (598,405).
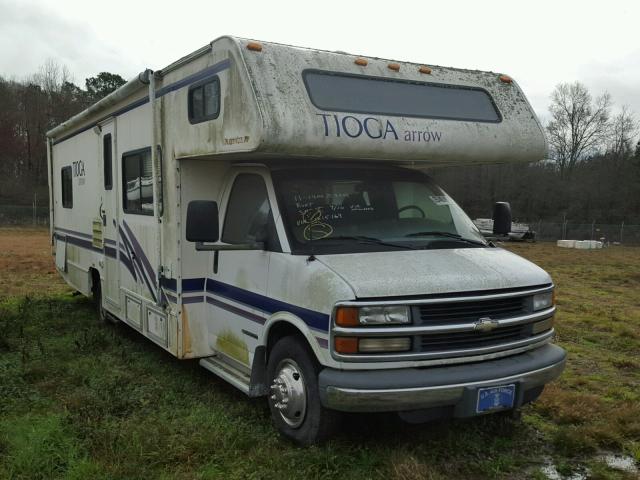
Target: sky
(540,43)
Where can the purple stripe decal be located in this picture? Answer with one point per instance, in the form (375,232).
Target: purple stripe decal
(124,258)
(142,261)
(140,252)
(73,232)
(131,254)
(238,311)
(171,298)
(323,342)
(107,241)
(186,300)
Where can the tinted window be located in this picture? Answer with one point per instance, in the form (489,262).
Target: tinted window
(67,187)
(137,182)
(360,94)
(204,100)
(106,160)
(248,218)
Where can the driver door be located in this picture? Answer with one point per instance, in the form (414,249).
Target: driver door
(236,291)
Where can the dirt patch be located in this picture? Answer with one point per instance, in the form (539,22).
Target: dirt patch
(26,264)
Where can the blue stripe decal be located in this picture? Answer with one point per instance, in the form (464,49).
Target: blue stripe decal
(201,75)
(125,109)
(317,320)
(169,283)
(207,72)
(193,285)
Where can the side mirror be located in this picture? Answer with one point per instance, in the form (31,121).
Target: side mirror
(202,221)
(501,218)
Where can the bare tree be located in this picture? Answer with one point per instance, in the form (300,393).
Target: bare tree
(579,125)
(52,76)
(624,129)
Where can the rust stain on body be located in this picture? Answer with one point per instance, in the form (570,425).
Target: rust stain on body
(186,333)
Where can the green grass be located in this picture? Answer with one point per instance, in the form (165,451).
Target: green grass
(79,399)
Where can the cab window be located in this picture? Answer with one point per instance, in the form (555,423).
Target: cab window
(248,218)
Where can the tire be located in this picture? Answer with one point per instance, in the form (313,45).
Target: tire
(103,316)
(293,397)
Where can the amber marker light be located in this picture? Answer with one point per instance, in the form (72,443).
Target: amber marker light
(361,61)
(254,46)
(394,66)
(505,79)
(347,317)
(425,70)
(346,344)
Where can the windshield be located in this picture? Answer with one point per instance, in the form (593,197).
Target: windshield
(346,210)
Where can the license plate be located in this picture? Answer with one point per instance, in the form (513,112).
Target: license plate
(495,398)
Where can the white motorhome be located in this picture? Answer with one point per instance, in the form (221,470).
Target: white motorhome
(263,208)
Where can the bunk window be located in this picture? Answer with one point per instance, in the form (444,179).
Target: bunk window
(204,100)
(340,92)
(67,187)
(137,182)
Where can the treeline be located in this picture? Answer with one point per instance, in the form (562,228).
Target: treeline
(593,170)
(592,173)
(596,191)
(28,109)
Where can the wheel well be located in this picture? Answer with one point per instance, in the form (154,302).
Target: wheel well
(285,329)
(95,279)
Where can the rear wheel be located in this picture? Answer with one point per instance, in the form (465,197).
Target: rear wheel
(294,399)
(96,291)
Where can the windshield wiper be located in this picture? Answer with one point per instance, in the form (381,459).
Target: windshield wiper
(455,236)
(367,240)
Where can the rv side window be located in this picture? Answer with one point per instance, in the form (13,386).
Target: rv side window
(204,100)
(106,157)
(137,182)
(67,187)
(248,218)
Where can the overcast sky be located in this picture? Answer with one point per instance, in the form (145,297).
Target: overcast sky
(540,43)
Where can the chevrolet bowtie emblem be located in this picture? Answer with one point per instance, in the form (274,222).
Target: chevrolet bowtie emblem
(485,324)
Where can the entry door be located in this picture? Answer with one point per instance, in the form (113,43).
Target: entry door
(109,213)
(236,293)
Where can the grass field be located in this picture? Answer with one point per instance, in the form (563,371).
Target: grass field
(83,400)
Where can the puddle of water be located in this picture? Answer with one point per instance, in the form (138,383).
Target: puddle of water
(620,462)
(551,472)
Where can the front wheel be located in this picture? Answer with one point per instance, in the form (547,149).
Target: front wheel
(294,400)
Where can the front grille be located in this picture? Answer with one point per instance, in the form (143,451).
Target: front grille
(464,312)
(441,342)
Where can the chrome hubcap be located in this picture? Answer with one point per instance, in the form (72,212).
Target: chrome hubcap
(288,393)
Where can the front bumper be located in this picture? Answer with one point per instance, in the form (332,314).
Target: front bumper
(446,386)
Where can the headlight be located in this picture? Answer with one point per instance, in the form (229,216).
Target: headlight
(378,315)
(542,301)
(389,315)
